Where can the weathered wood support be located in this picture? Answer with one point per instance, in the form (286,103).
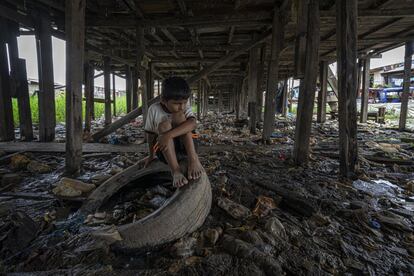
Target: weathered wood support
(205,100)
(150,81)
(47,113)
(135,88)
(128,88)
(273,75)
(323,81)
(254,61)
(220,101)
(347,84)
(307,87)
(300,42)
(140,50)
(200,87)
(107,88)
(285,98)
(113,94)
(75,41)
(409,51)
(6,108)
(365,91)
(237,91)
(23,102)
(89,94)
(11,35)
(260,78)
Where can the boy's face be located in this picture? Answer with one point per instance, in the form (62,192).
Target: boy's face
(175,106)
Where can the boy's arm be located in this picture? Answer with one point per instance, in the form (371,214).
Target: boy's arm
(184,128)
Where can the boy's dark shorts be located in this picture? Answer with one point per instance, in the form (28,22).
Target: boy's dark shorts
(179,150)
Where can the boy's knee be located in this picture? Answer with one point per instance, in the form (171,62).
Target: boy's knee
(164,126)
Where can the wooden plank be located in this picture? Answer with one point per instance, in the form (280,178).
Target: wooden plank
(23,102)
(75,41)
(273,75)
(107,89)
(128,88)
(347,85)
(61,147)
(365,91)
(89,94)
(409,49)
(47,113)
(323,80)
(6,108)
(308,87)
(254,61)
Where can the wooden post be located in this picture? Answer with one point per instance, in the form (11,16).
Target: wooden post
(220,100)
(23,101)
(254,59)
(409,50)
(12,33)
(142,72)
(307,87)
(75,40)
(205,102)
(200,85)
(47,113)
(346,20)
(114,93)
(285,98)
(300,42)
(6,108)
(273,75)
(89,94)
(150,81)
(107,88)
(237,95)
(365,91)
(135,88)
(128,88)
(323,81)
(260,78)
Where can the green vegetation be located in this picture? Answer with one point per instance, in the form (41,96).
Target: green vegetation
(61,108)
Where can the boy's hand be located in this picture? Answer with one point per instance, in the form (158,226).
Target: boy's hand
(148,160)
(163,140)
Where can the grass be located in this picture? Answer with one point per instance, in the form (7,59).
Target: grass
(60,107)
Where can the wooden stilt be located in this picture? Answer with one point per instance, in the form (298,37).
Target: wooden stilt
(365,91)
(75,40)
(285,98)
(128,88)
(134,88)
(150,81)
(409,51)
(260,78)
(273,75)
(6,108)
(200,85)
(142,71)
(346,20)
(307,87)
(237,94)
(47,113)
(220,101)
(300,42)
(107,88)
(89,94)
(23,102)
(114,94)
(254,59)
(11,35)
(205,102)
(323,80)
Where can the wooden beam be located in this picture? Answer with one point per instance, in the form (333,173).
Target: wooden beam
(260,80)
(75,41)
(347,85)
(47,113)
(128,88)
(278,34)
(365,91)
(409,51)
(323,81)
(307,87)
(241,49)
(142,71)
(6,108)
(23,102)
(300,42)
(113,94)
(254,60)
(89,94)
(107,88)
(61,147)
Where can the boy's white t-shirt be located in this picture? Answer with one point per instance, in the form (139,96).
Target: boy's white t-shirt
(157,114)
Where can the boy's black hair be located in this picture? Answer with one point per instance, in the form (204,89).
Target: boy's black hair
(175,88)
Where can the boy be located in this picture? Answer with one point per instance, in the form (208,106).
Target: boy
(169,125)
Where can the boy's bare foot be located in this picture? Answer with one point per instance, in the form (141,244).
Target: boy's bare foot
(195,169)
(179,179)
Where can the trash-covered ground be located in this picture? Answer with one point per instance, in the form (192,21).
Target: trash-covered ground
(267,218)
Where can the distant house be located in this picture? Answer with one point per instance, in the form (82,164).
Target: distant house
(390,75)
